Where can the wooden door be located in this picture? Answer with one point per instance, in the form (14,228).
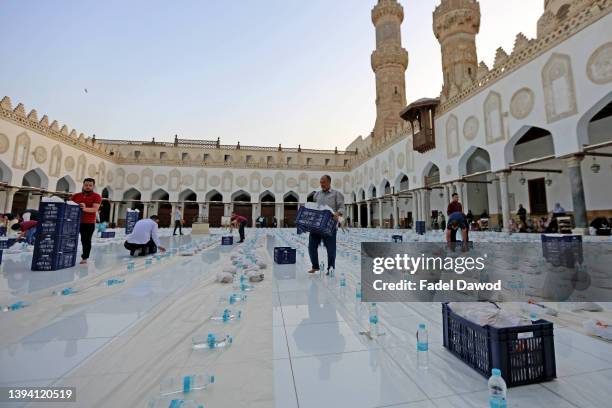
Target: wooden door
(290,214)
(267,211)
(246,211)
(165,215)
(215,212)
(537,196)
(190,213)
(20,202)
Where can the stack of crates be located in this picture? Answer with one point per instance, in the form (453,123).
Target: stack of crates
(57,236)
(6,243)
(562,250)
(227,240)
(420,227)
(131,218)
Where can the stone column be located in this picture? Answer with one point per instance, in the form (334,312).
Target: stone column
(446,198)
(578,201)
(396,223)
(380,213)
(357,221)
(421,206)
(227,209)
(172,215)
(505,200)
(280,214)
(368,216)
(427,208)
(116,215)
(415,207)
(145,210)
(203,210)
(10,195)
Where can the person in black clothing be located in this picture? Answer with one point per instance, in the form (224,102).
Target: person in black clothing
(522,213)
(601,225)
(469,217)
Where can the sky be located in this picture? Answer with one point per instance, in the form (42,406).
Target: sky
(261,72)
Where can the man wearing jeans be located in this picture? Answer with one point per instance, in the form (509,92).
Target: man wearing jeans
(89,201)
(178,221)
(239,222)
(335,200)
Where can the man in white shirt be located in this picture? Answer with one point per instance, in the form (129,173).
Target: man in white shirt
(144,237)
(178,221)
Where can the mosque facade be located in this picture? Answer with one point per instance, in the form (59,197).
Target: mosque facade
(533,129)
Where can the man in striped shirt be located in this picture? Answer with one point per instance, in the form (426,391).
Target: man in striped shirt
(335,200)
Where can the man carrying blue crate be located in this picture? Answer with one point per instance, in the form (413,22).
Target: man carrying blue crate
(335,200)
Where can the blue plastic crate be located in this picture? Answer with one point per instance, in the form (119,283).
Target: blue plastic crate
(562,250)
(107,234)
(54,261)
(284,255)
(317,221)
(227,240)
(58,211)
(7,243)
(524,354)
(58,227)
(131,218)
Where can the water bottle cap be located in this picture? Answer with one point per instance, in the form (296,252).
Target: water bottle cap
(496,372)
(421,325)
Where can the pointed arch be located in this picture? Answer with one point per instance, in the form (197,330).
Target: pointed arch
(188,195)
(160,195)
(475,159)
(6,175)
(35,178)
(66,184)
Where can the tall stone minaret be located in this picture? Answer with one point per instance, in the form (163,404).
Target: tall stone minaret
(455,24)
(389,63)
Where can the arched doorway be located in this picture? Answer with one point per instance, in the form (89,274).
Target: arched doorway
(29,198)
(215,208)
(131,199)
(65,185)
(268,205)
(475,166)
(164,208)
(310,197)
(191,208)
(242,205)
(290,209)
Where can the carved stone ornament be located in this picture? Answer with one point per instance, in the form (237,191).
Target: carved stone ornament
(470,128)
(69,163)
(40,155)
(132,179)
(521,103)
(187,180)
(599,67)
(241,181)
(4,143)
(215,181)
(161,179)
(267,182)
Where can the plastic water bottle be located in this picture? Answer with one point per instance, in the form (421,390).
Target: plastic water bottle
(186,384)
(497,390)
(149,261)
(373,320)
(130,266)
(321,266)
(422,346)
(236,298)
(212,341)
(111,282)
(358,291)
(15,306)
(158,258)
(64,292)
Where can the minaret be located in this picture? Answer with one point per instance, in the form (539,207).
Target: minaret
(389,63)
(455,24)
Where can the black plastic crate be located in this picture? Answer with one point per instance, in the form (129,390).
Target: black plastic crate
(107,234)
(524,354)
(317,221)
(65,260)
(419,227)
(284,255)
(228,240)
(397,238)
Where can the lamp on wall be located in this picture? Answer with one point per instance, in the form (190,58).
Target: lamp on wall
(595,167)
(522,180)
(548,180)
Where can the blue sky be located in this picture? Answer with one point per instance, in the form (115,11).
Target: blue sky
(261,72)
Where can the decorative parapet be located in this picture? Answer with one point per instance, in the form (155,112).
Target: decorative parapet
(53,131)
(387,7)
(591,11)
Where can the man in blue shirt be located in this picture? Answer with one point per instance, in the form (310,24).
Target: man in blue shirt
(456,221)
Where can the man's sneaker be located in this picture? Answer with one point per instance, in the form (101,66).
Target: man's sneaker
(83,262)
(313,270)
